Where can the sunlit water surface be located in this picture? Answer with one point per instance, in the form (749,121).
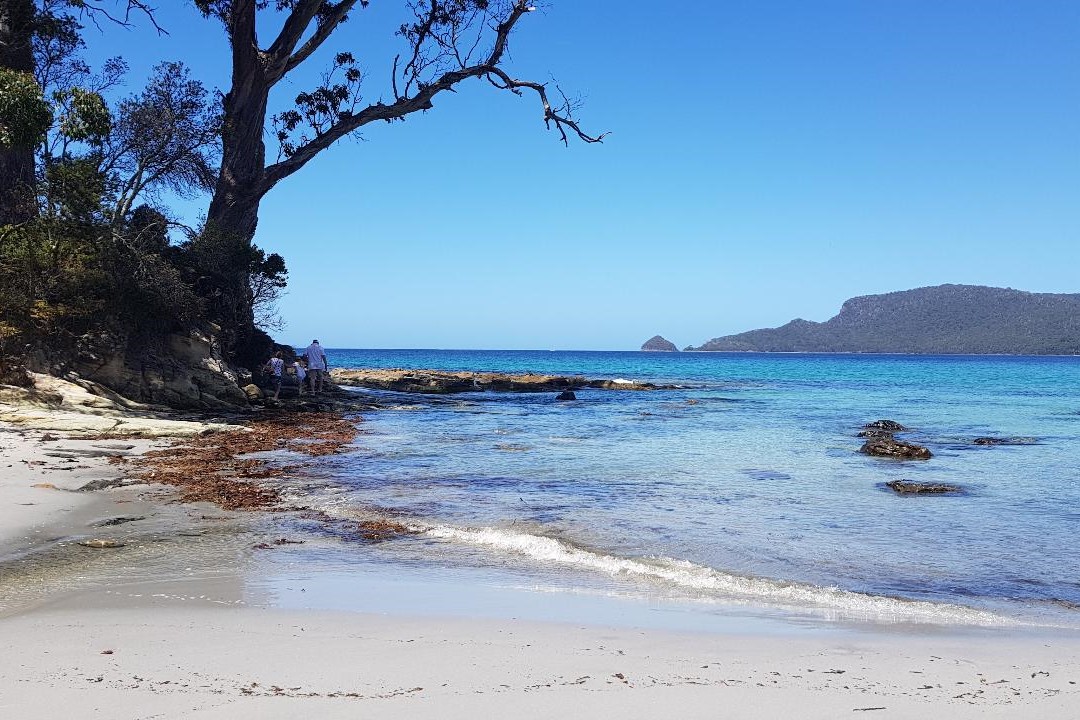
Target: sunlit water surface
(742,486)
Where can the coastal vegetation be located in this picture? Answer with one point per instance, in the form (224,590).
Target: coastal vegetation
(95,270)
(946,319)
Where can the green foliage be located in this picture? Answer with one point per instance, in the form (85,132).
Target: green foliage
(317,111)
(25,115)
(86,117)
(75,187)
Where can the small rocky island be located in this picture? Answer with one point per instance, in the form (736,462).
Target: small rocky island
(659,344)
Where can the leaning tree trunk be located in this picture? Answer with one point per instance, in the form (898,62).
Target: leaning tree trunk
(16,163)
(234,209)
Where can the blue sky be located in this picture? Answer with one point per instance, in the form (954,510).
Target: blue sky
(767,160)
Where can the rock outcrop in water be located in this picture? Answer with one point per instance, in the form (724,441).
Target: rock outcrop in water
(1004,441)
(892,448)
(946,319)
(659,344)
(441,382)
(908,487)
(886,425)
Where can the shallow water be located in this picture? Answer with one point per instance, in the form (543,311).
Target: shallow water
(743,486)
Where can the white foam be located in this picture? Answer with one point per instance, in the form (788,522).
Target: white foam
(716,584)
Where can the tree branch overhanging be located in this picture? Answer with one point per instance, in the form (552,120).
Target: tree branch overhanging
(437,26)
(561,118)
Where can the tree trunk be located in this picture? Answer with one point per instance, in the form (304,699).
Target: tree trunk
(234,209)
(16,164)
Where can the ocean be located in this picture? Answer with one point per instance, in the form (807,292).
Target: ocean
(742,488)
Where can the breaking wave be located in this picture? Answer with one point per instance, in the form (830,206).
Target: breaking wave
(712,584)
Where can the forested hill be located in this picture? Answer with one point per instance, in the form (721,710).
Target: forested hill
(946,319)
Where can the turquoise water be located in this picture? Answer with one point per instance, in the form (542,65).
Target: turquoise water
(743,486)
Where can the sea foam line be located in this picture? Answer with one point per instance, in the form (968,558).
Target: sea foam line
(716,584)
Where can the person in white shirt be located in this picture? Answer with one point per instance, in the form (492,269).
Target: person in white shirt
(317,365)
(301,376)
(276,366)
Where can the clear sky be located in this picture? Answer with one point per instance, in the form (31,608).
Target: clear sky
(767,160)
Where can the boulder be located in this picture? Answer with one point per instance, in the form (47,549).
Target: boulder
(188,372)
(891,448)
(658,344)
(908,487)
(566,395)
(254,392)
(890,425)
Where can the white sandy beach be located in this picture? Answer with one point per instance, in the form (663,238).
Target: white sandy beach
(193,643)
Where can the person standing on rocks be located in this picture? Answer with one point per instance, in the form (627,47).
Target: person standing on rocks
(317,365)
(276,366)
(301,376)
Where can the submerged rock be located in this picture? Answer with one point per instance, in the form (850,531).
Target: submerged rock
(1003,441)
(100,543)
(889,425)
(889,447)
(118,520)
(908,487)
(566,395)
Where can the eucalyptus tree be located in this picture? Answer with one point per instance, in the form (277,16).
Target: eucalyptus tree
(24,114)
(445,42)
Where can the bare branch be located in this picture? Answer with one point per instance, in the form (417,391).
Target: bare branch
(93,11)
(295,26)
(562,118)
(326,26)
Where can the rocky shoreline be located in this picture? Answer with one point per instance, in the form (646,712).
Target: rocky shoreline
(440,382)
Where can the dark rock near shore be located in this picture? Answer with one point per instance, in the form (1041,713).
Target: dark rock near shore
(889,425)
(875,433)
(566,395)
(659,344)
(907,487)
(1003,441)
(891,448)
(105,484)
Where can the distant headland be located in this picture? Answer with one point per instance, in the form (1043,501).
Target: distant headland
(944,319)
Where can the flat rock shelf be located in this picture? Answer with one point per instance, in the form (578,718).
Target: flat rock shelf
(443,382)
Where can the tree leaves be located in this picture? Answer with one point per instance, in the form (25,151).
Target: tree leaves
(25,115)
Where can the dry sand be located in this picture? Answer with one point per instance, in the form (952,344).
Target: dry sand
(193,642)
(177,657)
